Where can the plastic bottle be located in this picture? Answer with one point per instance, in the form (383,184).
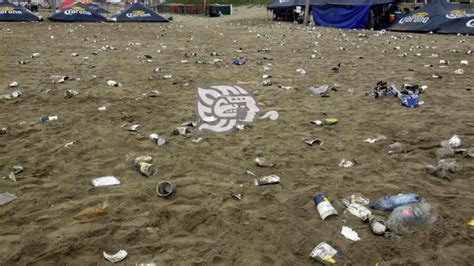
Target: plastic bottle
(411,218)
(388,203)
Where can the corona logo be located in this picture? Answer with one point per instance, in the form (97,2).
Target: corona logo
(138,14)
(77,10)
(9,11)
(459,14)
(6,8)
(421,17)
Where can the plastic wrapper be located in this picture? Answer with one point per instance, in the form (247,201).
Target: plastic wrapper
(325,253)
(93,212)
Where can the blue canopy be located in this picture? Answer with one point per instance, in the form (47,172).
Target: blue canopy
(462,24)
(138,13)
(352,2)
(78,13)
(12,12)
(290,4)
(350,14)
(350,17)
(438,16)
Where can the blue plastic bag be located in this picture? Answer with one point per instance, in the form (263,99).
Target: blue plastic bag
(237,61)
(410,100)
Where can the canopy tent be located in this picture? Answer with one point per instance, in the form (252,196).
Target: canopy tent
(352,14)
(78,13)
(438,16)
(12,12)
(462,25)
(138,13)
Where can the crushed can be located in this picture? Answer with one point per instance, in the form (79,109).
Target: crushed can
(325,253)
(313,142)
(324,206)
(113,83)
(70,93)
(356,198)
(130,127)
(157,139)
(142,164)
(266,180)
(267,82)
(359,210)
(46,118)
(325,121)
(182,131)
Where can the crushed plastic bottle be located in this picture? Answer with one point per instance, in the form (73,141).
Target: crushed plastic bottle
(388,203)
(411,218)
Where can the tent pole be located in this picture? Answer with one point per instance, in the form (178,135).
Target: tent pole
(306,13)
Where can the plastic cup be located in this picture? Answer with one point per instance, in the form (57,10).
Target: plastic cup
(164,189)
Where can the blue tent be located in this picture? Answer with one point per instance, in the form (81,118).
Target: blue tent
(462,25)
(78,13)
(138,13)
(438,16)
(351,14)
(12,12)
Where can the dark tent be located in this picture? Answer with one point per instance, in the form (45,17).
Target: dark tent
(77,13)
(12,12)
(97,8)
(438,16)
(462,25)
(351,14)
(138,13)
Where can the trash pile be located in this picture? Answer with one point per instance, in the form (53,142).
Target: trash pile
(447,166)
(409,95)
(407,213)
(390,216)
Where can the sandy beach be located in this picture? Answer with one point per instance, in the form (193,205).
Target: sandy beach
(201,223)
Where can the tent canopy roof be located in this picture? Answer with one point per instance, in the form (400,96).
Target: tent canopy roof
(12,12)
(437,16)
(138,13)
(352,2)
(285,4)
(78,13)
